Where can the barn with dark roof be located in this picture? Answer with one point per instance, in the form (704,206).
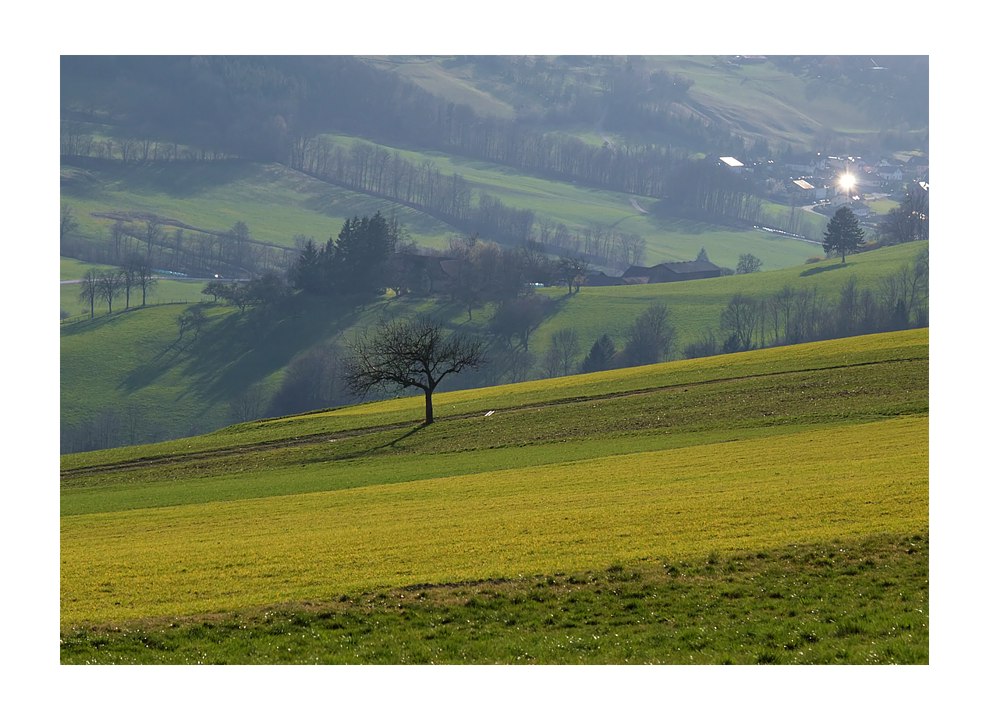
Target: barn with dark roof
(672,272)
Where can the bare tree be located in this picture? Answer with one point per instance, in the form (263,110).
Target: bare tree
(90,290)
(409,353)
(192,318)
(108,286)
(573,271)
(153,234)
(739,320)
(67,223)
(141,276)
(748,263)
(562,355)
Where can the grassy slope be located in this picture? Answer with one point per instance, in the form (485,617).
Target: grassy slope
(667,475)
(667,238)
(696,306)
(276,203)
(755,100)
(857,602)
(165,291)
(192,383)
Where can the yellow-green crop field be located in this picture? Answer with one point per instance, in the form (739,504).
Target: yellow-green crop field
(779,454)
(216,557)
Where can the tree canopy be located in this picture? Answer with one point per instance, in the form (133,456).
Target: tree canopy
(843,234)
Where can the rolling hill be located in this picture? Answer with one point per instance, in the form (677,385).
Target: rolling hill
(511,521)
(236,505)
(196,384)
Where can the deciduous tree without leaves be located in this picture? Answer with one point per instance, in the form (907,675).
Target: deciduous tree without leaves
(409,353)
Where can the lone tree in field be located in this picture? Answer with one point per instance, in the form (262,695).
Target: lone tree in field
(843,234)
(409,353)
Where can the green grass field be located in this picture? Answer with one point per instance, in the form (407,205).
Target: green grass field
(166,291)
(277,204)
(667,238)
(701,479)
(696,306)
(193,383)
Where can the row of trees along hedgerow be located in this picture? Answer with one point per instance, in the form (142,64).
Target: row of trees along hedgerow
(383,172)
(372,253)
(106,286)
(168,245)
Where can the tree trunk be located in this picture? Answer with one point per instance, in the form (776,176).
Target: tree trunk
(429,407)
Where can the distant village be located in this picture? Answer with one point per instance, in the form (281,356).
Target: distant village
(811,179)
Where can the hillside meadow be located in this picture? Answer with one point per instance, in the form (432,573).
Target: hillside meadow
(667,237)
(757,99)
(695,306)
(275,202)
(196,382)
(278,203)
(786,482)
(165,291)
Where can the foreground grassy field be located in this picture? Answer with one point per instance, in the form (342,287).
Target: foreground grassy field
(710,497)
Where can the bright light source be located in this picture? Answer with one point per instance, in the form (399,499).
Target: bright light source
(847,182)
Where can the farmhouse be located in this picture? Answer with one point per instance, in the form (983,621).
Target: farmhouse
(807,192)
(598,278)
(731,163)
(427,273)
(889,172)
(671,272)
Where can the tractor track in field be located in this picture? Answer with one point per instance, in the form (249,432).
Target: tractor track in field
(316,438)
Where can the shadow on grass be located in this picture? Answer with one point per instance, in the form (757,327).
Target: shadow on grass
(355,453)
(825,268)
(176,179)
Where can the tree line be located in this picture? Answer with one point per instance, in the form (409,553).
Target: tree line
(193,251)
(106,286)
(379,171)
(271,109)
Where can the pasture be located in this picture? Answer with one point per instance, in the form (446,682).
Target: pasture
(165,291)
(696,306)
(821,448)
(667,238)
(197,382)
(275,202)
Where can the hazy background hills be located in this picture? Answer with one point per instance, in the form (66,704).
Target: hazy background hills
(229,165)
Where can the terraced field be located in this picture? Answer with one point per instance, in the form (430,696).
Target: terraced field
(762,507)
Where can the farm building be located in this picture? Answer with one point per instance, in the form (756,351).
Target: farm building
(671,272)
(732,163)
(598,278)
(808,192)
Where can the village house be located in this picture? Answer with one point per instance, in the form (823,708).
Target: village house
(806,192)
(731,163)
(889,172)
